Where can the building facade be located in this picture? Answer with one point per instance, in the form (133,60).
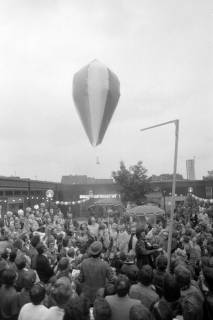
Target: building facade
(16,193)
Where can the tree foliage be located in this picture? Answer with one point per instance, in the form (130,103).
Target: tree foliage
(133,182)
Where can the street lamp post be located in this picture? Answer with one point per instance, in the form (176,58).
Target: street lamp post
(176,123)
(49,195)
(29,192)
(164,200)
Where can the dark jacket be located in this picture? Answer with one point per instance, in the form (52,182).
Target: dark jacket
(130,270)
(143,255)
(9,303)
(158,281)
(20,279)
(208,306)
(164,310)
(93,275)
(45,272)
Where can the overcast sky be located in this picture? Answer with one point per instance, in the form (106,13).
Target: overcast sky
(161,50)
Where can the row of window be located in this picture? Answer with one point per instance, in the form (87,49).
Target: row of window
(21,193)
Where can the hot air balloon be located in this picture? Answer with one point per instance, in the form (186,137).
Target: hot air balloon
(96,91)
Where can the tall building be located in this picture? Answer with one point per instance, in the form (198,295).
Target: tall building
(190,169)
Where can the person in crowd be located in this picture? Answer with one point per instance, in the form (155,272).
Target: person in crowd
(132,240)
(168,307)
(94,272)
(143,254)
(140,312)
(64,269)
(159,274)
(34,310)
(93,227)
(192,299)
(78,309)
(20,265)
(130,269)
(60,294)
(9,298)
(43,268)
(208,303)
(101,309)
(33,251)
(123,240)
(144,289)
(29,279)
(11,261)
(120,303)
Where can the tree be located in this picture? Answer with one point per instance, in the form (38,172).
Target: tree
(133,182)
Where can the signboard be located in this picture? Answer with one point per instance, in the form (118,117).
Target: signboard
(98,196)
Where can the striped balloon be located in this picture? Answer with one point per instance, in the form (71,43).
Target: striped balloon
(96,91)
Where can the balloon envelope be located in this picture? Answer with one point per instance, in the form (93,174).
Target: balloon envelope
(96,91)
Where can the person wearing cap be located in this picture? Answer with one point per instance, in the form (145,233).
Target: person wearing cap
(94,272)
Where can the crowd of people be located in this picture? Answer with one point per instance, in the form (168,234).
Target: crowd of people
(54,267)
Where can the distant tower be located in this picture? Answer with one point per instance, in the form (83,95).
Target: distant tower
(190,169)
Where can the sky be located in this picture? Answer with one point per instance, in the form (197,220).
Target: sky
(161,51)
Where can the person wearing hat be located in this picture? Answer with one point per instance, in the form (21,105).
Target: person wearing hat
(94,272)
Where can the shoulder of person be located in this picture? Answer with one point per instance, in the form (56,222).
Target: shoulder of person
(136,301)
(134,288)
(109,298)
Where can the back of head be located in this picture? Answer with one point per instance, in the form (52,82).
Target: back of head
(101,309)
(29,279)
(13,255)
(76,309)
(183,276)
(192,307)
(109,289)
(8,277)
(208,274)
(65,242)
(122,286)
(171,289)
(139,312)
(71,253)
(63,264)
(40,248)
(141,229)
(37,293)
(20,262)
(145,275)
(161,262)
(35,240)
(18,244)
(61,292)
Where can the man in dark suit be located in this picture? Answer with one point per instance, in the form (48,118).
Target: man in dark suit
(94,272)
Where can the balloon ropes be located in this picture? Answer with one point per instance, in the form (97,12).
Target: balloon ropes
(96,91)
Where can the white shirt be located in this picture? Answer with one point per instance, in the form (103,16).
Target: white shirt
(93,229)
(54,313)
(33,312)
